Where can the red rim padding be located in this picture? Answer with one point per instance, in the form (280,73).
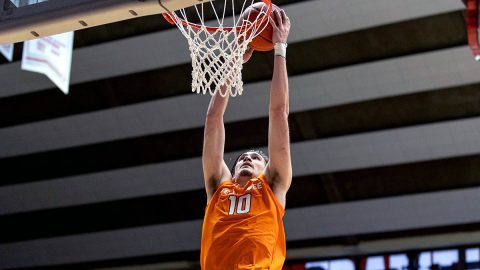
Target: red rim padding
(171,17)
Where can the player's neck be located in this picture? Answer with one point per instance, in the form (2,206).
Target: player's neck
(242,180)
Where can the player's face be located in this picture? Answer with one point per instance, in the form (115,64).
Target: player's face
(250,164)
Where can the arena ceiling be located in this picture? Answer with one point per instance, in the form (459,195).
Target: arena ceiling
(385,131)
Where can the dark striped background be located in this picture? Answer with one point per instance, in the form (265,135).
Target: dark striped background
(395,40)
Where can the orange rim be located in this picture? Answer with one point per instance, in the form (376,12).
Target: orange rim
(172,18)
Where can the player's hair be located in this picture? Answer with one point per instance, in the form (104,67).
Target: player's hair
(265,157)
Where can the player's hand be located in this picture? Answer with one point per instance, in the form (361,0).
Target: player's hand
(281,26)
(248,54)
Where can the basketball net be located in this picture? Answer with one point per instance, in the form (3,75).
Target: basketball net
(217,51)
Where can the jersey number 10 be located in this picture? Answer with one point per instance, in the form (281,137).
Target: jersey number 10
(242,206)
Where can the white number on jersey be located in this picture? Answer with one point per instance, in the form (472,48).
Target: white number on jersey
(242,206)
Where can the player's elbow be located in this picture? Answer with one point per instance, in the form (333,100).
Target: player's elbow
(278,111)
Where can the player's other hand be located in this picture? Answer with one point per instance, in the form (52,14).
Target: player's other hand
(281,26)
(248,54)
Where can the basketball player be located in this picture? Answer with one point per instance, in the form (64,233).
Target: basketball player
(243,226)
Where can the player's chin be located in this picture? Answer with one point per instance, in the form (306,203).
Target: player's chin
(246,172)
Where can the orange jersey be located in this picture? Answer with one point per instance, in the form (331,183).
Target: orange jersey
(243,228)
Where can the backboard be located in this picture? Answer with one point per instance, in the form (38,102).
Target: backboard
(22,20)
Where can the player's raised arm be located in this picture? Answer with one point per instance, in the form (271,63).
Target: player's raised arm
(280,166)
(214,167)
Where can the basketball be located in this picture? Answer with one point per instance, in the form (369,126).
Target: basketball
(262,42)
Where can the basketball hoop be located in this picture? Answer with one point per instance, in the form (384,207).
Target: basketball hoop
(217,49)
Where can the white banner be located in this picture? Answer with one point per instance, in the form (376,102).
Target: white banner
(22,3)
(7,51)
(51,56)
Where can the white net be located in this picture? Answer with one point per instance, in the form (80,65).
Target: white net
(217,51)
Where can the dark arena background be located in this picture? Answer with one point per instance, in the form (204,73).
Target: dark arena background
(384,125)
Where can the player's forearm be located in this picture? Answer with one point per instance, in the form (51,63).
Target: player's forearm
(214,140)
(214,134)
(213,148)
(279,92)
(218,105)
